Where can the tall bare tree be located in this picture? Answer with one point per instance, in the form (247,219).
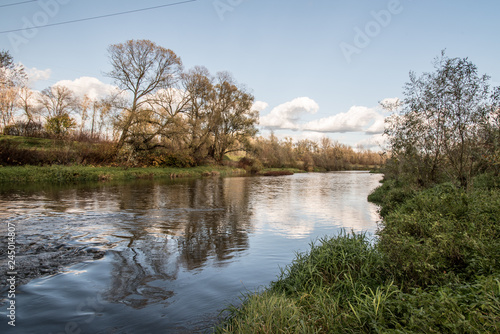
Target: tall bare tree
(198,84)
(12,78)
(59,103)
(142,68)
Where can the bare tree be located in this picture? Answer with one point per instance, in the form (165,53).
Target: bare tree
(28,103)
(12,79)
(198,84)
(58,103)
(142,68)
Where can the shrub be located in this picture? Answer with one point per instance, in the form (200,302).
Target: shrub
(252,166)
(60,125)
(390,195)
(443,234)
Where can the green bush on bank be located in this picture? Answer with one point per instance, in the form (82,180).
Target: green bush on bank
(390,195)
(443,234)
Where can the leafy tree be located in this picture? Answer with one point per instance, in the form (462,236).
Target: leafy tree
(439,131)
(60,125)
(232,118)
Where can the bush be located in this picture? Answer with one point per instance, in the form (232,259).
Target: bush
(163,158)
(29,129)
(12,155)
(60,125)
(390,195)
(16,153)
(252,166)
(443,234)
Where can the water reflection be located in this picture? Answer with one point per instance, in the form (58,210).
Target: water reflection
(303,204)
(180,249)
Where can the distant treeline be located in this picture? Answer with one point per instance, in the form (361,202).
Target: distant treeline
(309,155)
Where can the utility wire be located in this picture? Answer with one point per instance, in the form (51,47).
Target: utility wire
(17,3)
(100,17)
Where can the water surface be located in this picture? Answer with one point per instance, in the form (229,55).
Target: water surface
(175,252)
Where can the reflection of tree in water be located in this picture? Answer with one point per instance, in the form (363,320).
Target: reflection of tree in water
(218,224)
(185,224)
(139,274)
(167,225)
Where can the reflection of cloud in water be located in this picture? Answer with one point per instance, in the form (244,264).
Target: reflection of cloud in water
(295,209)
(285,224)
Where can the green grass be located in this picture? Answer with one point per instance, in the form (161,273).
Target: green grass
(29,142)
(89,173)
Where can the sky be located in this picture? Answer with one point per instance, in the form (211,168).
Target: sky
(315,67)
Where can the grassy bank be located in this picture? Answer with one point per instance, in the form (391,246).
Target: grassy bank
(88,173)
(435,268)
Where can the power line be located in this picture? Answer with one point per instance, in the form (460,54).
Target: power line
(100,17)
(17,3)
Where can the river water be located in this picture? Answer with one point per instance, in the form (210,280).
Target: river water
(173,254)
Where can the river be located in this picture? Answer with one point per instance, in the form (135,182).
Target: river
(165,256)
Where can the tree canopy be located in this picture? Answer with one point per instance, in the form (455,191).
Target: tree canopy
(447,126)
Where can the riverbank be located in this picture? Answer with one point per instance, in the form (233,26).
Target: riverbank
(434,268)
(55,173)
(88,173)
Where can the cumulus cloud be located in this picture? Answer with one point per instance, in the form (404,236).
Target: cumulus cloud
(34,74)
(287,115)
(378,126)
(92,87)
(260,106)
(357,119)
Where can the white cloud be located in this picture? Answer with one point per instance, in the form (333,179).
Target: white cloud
(378,126)
(287,115)
(357,119)
(374,142)
(34,74)
(260,106)
(92,87)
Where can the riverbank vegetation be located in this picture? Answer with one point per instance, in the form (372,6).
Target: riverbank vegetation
(158,115)
(434,266)
(66,174)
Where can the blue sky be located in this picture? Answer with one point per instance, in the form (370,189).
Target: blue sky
(319,67)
